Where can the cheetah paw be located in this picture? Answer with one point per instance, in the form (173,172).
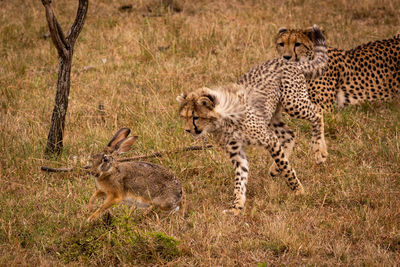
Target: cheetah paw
(320,153)
(300,190)
(232,211)
(273,170)
(320,157)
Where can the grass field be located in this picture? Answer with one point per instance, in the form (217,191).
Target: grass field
(135,62)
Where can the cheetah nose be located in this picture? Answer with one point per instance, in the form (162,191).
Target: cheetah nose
(287,57)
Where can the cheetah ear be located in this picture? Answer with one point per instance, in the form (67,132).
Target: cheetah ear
(282,30)
(207,101)
(181,98)
(310,32)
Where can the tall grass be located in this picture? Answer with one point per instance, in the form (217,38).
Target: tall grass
(134,63)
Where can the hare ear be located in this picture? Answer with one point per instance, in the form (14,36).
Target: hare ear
(120,135)
(125,144)
(207,101)
(181,98)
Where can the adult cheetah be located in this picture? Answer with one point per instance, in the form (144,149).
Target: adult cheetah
(369,72)
(239,115)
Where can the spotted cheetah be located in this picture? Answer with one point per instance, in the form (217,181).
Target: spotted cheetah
(369,72)
(243,114)
(294,102)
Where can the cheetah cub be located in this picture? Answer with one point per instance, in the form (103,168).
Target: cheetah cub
(238,115)
(294,98)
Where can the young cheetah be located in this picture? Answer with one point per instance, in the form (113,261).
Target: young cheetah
(295,100)
(239,115)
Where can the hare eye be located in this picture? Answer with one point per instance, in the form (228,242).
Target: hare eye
(297,44)
(281,44)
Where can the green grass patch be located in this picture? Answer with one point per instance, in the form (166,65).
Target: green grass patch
(116,240)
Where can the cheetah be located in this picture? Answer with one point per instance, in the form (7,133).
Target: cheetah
(239,115)
(369,72)
(295,102)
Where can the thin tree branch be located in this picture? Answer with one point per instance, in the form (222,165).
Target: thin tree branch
(49,169)
(153,155)
(77,26)
(161,153)
(56,32)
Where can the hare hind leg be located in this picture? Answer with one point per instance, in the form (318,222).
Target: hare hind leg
(182,205)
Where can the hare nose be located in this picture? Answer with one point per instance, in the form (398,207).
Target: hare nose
(287,57)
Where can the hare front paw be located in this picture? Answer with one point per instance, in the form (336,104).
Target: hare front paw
(93,217)
(90,219)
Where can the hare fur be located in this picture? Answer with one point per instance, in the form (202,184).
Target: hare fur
(142,182)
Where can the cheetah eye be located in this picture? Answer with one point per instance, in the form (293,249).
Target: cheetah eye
(195,118)
(297,44)
(281,44)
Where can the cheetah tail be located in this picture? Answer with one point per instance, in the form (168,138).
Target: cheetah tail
(316,67)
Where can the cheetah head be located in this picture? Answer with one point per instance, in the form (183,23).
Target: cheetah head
(295,44)
(197,109)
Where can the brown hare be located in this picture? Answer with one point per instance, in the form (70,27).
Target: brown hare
(142,182)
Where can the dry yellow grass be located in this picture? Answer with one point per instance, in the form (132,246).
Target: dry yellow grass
(139,61)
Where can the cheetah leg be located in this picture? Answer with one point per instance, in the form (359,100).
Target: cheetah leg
(318,138)
(241,164)
(286,138)
(318,145)
(308,111)
(282,163)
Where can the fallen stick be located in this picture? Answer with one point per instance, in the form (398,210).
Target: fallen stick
(152,155)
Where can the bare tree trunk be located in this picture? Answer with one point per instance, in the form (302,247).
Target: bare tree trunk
(65,49)
(55,137)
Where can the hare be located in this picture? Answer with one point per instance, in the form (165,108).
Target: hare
(143,182)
